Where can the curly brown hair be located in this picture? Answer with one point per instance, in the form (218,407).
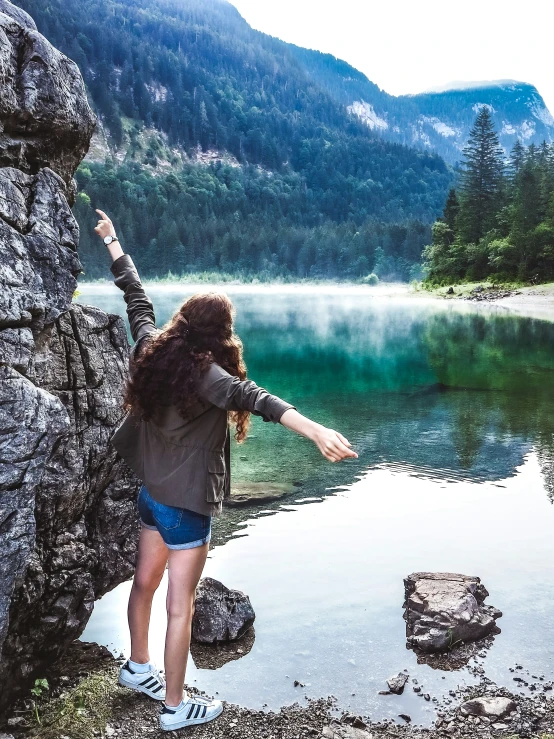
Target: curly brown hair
(171,362)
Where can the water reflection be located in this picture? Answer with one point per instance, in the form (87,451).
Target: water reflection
(451,410)
(214,656)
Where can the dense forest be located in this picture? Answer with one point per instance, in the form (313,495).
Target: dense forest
(500,223)
(314,192)
(237,220)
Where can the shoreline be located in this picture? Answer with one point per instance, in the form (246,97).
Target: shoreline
(85,702)
(536,301)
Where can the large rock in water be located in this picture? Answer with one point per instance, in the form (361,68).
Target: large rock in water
(220,614)
(444,609)
(67,519)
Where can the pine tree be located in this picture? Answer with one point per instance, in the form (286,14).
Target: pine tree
(451,210)
(517,159)
(482,179)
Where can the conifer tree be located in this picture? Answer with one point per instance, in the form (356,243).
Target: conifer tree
(482,178)
(451,210)
(517,159)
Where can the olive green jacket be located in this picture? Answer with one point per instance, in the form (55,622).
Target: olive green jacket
(185,462)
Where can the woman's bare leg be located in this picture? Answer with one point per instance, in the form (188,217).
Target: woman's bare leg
(185,569)
(151,562)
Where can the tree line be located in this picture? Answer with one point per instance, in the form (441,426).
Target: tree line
(499,223)
(238,220)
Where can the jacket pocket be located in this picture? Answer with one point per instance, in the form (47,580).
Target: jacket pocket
(215,486)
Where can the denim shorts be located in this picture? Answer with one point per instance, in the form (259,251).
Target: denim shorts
(178,527)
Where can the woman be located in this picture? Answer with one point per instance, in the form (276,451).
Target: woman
(187,382)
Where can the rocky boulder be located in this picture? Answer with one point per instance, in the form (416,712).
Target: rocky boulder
(220,614)
(67,519)
(397,683)
(45,119)
(445,609)
(495,708)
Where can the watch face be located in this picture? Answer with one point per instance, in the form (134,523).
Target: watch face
(108,239)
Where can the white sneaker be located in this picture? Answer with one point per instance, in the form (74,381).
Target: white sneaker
(195,710)
(151,683)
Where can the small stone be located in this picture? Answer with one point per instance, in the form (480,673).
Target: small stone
(397,683)
(499,726)
(405,716)
(16,721)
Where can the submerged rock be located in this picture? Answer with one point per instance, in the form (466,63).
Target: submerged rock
(257,493)
(220,614)
(67,519)
(445,609)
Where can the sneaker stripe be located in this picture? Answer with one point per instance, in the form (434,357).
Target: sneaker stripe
(149,679)
(192,707)
(156,690)
(198,711)
(203,711)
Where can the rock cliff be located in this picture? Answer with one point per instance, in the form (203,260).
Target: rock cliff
(67,520)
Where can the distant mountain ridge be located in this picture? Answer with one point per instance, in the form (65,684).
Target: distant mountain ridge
(435,120)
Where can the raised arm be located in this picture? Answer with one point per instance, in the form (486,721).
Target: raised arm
(230,393)
(139,306)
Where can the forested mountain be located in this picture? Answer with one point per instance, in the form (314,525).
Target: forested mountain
(438,121)
(304,188)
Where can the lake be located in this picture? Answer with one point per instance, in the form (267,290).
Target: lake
(450,408)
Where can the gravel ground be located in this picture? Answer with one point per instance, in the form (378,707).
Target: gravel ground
(85,702)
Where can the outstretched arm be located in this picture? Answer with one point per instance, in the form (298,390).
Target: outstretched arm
(331,444)
(139,306)
(228,392)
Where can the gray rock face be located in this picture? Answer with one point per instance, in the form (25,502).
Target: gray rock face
(493,708)
(220,614)
(45,119)
(67,519)
(444,609)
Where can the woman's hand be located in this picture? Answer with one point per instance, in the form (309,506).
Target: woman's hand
(104,228)
(331,444)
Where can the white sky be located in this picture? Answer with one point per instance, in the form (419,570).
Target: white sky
(407,46)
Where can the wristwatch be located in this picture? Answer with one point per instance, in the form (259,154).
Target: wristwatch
(108,239)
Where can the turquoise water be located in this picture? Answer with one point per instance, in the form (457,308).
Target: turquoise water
(450,408)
